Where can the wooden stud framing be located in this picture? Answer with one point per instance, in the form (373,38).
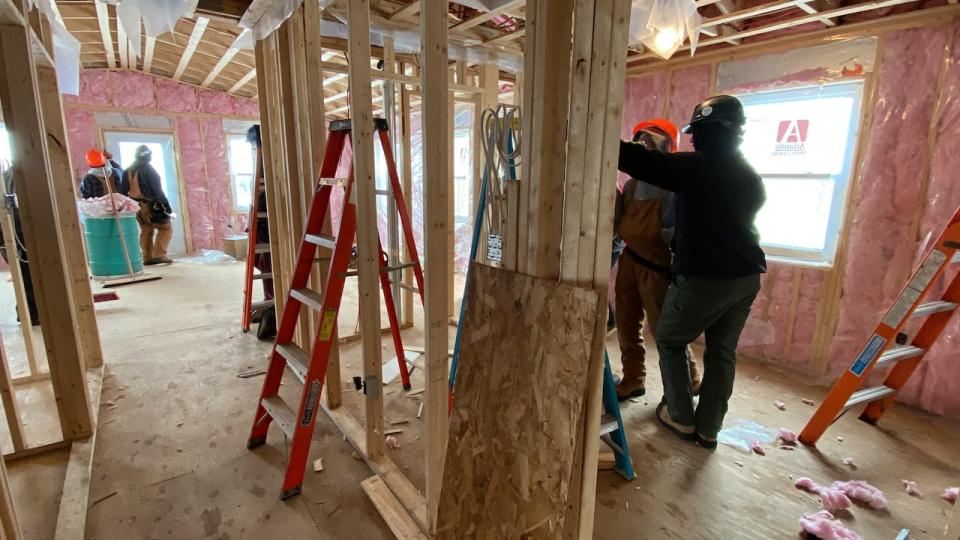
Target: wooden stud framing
(151,43)
(490,15)
(406,150)
(103,19)
(19,291)
(243,81)
(20,97)
(361,113)
(222,63)
(11,408)
(433,86)
(195,36)
(122,45)
(407,11)
(9,524)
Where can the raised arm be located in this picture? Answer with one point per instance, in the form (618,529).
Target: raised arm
(672,172)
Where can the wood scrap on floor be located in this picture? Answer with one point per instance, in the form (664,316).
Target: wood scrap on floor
(520,391)
(399,521)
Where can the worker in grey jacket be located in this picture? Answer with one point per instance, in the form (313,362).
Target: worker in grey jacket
(717,261)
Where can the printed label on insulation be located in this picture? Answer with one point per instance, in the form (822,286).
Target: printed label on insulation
(869,352)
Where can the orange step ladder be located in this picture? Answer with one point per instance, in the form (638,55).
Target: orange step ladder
(254,249)
(311,367)
(887,346)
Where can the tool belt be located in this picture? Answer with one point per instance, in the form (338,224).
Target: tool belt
(151,212)
(644,262)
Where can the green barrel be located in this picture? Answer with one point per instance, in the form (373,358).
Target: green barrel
(104,252)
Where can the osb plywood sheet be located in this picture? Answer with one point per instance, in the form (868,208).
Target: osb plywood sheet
(519,396)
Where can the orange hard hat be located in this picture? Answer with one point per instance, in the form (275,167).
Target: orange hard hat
(664,126)
(94,158)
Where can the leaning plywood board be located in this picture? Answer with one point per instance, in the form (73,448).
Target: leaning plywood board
(518,406)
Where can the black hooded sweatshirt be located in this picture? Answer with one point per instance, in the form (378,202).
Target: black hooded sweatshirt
(718,197)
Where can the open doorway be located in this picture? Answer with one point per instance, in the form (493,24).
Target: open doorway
(123,145)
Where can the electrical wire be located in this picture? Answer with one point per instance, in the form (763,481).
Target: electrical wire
(501,128)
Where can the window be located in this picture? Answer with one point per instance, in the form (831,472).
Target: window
(242,156)
(802,141)
(5,153)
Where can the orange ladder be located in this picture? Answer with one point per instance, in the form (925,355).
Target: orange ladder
(254,249)
(311,367)
(879,350)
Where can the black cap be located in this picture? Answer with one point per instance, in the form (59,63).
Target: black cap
(726,110)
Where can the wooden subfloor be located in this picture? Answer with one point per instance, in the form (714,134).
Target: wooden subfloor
(171,460)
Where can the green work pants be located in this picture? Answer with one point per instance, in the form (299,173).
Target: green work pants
(718,309)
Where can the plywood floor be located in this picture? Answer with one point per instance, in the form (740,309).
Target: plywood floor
(171,460)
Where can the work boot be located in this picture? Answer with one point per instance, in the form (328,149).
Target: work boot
(151,262)
(164,260)
(630,388)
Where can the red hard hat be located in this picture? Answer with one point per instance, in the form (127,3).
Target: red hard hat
(94,158)
(664,126)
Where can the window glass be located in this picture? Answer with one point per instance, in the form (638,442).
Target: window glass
(802,142)
(241,155)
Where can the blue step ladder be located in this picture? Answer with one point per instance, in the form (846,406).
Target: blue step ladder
(611,424)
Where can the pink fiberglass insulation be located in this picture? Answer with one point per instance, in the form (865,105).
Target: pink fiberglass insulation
(248,108)
(689,87)
(217,179)
(935,385)
(823,525)
(881,244)
(862,491)
(197,196)
(173,96)
(132,90)
(950,494)
(81,136)
(786,435)
(215,102)
(643,99)
(94,88)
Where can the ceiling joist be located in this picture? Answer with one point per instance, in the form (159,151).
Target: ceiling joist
(195,37)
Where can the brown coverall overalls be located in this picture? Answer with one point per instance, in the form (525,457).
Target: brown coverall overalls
(642,278)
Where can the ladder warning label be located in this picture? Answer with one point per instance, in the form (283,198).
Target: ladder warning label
(921,280)
(311,406)
(869,352)
(326,325)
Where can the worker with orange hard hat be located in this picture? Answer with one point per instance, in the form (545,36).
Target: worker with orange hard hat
(93,184)
(644,220)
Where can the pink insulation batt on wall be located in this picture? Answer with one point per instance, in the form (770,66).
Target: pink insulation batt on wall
(197,197)
(881,245)
(132,90)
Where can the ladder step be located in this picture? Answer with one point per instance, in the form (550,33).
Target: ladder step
(297,359)
(281,413)
(899,353)
(268,275)
(933,307)
(308,297)
(383,270)
(321,240)
(869,394)
(261,214)
(608,424)
(261,248)
(409,287)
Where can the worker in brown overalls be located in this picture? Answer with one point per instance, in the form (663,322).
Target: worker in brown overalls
(644,219)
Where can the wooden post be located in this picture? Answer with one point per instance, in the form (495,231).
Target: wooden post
(451,199)
(364,195)
(407,180)
(65,197)
(20,98)
(511,241)
(11,408)
(433,86)
(9,523)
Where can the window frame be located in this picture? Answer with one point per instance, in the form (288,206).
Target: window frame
(237,208)
(842,182)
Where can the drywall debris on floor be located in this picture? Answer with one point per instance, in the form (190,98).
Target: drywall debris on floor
(520,390)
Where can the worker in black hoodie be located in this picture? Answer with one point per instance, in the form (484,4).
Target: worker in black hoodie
(716,266)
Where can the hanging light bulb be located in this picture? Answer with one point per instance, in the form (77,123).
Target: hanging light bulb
(662,25)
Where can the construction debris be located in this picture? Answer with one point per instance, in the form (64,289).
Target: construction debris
(392,442)
(822,524)
(252,373)
(318,465)
(780,405)
(950,494)
(911,488)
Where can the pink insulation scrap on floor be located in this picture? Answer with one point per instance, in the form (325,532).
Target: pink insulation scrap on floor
(950,494)
(848,461)
(853,489)
(831,499)
(787,436)
(823,525)
(780,405)
(911,488)
(757,448)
